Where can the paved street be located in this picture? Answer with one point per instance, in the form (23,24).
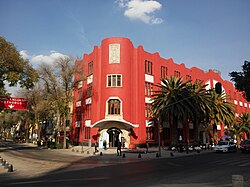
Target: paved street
(41,167)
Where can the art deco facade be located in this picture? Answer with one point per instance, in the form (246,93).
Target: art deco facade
(113,102)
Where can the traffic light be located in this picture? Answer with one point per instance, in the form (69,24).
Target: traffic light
(218,88)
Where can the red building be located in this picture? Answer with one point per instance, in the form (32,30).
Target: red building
(112,103)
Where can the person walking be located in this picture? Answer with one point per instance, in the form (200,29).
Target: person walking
(119,149)
(105,144)
(147,146)
(96,145)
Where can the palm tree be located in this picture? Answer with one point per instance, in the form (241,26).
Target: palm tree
(222,112)
(201,101)
(177,100)
(241,125)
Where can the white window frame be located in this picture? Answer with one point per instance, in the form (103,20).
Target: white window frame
(116,80)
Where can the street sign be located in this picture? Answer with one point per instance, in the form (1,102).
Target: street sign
(13,103)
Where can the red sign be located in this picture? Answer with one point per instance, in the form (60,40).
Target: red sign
(13,103)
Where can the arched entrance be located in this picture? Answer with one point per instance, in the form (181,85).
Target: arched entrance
(114,136)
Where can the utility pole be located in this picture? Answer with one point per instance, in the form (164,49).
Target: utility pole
(159,137)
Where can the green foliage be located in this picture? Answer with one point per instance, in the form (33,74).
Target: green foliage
(221,110)
(13,68)
(240,126)
(177,100)
(242,80)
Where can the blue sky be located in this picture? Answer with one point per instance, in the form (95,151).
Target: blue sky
(212,34)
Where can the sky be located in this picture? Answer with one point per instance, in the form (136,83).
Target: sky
(208,34)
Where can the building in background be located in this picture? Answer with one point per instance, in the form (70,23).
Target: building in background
(113,103)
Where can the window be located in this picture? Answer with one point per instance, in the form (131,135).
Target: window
(87,132)
(114,106)
(90,68)
(150,133)
(89,90)
(148,111)
(148,67)
(164,72)
(79,94)
(88,112)
(114,81)
(148,88)
(177,73)
(78,115)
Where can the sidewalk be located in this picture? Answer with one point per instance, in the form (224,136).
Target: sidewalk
(153,152)
(31,167)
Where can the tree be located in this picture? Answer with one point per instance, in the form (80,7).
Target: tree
(201,99)
(240,126)
(190,102)
(39,108)
(59,83)
(180,101)
(14,69)
(222,112)
(242,80)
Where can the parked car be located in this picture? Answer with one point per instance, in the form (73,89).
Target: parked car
(245,146)
(225,146)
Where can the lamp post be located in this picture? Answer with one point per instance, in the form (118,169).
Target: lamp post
(159,137)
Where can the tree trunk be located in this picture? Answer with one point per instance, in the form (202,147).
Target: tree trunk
(27,132)
(196,131)
(215,133)
(174,138)
(38,126)
(64,132)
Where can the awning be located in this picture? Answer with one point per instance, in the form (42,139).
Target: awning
(108,123)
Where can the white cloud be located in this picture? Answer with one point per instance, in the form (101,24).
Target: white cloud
(141,10)
(37,59)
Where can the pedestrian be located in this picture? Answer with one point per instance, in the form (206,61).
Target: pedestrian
(147,146)
(119,149)
(105,144)
(180,142)
(96,145)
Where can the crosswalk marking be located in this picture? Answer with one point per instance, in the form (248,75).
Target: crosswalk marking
(242,163)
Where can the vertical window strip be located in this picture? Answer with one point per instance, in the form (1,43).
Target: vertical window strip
(114,106)
(148,67)
(148,88)
(164,72)
(90,68)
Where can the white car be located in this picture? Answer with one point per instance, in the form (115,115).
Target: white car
(225,146)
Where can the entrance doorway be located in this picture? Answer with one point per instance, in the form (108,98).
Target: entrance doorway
(114,134)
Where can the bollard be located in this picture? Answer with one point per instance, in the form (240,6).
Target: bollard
(157,155)
(101,154)
(139,155)
(237,181)
(6,165)
(10,168)
(123,155)
(171,154)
